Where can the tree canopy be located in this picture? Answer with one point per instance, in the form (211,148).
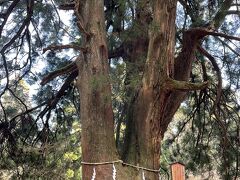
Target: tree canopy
(159,77)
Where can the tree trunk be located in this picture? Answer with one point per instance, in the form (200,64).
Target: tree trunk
(150,105)
(155,103)
(98,144)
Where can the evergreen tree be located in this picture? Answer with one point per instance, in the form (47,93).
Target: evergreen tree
(128,68)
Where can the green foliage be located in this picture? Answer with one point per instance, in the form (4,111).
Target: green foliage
(47,146)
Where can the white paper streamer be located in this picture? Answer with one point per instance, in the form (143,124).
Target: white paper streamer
(114,172)
(94,174)
(143,175)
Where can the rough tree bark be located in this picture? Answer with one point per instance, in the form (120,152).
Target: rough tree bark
(149,107)
(95,92)
(164,86)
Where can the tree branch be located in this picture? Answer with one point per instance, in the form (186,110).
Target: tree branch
(201,32)
(172,84)
(230,12)
(68,6)
(229,47)
(218,71)
(235,4)
(220,15)
(68,46)
(22,27)
(62,92)
(192,36)
(72,66)
(187,9)
(28,111)
(222,35)
(7,14)
(65,70)
(80,18)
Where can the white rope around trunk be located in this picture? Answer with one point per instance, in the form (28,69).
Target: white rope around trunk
(114,175)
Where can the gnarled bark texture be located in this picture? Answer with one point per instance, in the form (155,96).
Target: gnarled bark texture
(95,92)
(163,87)
(150,105)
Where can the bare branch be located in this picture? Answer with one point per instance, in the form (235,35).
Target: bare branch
(184,85)
(69,6)
(201,32)
(229,47)
(19,99)
(62,92)
(223,35)
(65,70)
(28,111)
(230,12)
(7,14)
(22,27)
(68,46)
